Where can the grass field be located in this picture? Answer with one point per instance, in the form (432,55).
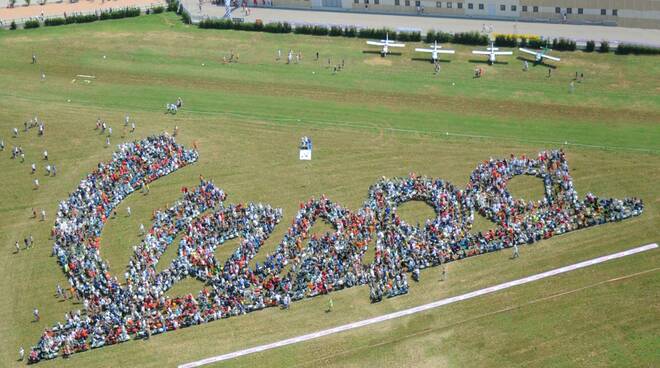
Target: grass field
(378,117)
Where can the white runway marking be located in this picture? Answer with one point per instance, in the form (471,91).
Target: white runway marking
(420,308)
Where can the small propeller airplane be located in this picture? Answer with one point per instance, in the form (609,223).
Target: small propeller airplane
(540,55)
(386,44)
(435,50)
(491,52)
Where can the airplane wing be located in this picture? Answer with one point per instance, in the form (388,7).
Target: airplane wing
(503,53)
(376,43)
(476,52)
(445,51)
(423,50)
(492,48)
(551,57)
(528,51)
(396,45)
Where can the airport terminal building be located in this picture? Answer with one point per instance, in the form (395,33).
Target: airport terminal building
(624,13)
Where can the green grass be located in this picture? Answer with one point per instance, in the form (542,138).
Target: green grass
(378,117)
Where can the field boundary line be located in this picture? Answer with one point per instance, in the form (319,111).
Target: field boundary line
(421,308)
(478,317)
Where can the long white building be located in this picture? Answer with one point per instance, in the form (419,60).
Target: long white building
(624,13)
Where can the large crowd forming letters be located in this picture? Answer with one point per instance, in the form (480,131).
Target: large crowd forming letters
(302,265)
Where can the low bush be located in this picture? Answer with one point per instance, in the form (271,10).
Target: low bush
(12,26)
(216,24)
(81,19)
(279,27)
(350,32)
(311,30)
(604,47)
(536,43)
(439,36)
(185,17)
(470,38)
(335,31)
(409,36)
(591,46)
(627,48)
(506,40)
(158,9)
(563,44)
(120,13)
(172,5)
(31,24)
(51,22)
(374,33)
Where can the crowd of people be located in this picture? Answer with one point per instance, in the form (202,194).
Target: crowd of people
(303,264)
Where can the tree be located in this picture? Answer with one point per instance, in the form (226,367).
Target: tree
(27,2)
(12,3)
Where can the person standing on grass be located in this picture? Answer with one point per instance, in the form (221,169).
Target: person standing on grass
(45,155)
(21,351)
(33,168)
(444,272)
(18,246)
(35,313)
(43,215)
(128,211)
(331,305)
(516,252)
(36,183)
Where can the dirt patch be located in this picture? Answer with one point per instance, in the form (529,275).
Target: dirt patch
(378,61)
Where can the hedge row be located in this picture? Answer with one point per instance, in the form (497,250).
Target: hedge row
(626,48)
(563,44)
(309,30)
(109,14)
(280,27)
(465,38)
(88,18)
(118,14)
(31,24)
